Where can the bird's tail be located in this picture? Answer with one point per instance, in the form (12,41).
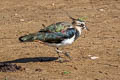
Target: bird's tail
(28,38)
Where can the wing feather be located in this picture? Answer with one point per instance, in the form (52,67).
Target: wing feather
(57,27)
(56,37)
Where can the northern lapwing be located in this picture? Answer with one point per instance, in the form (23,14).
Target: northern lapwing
(58,34)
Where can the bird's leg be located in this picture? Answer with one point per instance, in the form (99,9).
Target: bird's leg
(59,57)
(58,51)
(65,53)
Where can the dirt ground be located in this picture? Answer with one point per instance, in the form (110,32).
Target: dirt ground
(20,17)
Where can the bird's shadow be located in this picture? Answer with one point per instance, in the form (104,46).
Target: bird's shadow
(32,59)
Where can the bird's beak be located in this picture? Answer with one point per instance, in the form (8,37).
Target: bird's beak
(87,28)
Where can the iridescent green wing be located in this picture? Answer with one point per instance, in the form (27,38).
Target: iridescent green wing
(57,27)
(56,37)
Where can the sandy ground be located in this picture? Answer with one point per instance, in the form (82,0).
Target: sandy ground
(20,17)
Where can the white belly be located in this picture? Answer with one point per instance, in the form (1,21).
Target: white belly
(68,41)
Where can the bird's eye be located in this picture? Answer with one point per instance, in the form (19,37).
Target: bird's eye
(81,25)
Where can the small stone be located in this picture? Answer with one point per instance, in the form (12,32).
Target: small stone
(94,57)
(39,70)
(16,14)
(75,68)
(22,20)
(53,4)
(89,55)
(101,10)
(100,72)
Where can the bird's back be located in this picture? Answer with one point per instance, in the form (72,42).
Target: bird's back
(54,33)
(57,27)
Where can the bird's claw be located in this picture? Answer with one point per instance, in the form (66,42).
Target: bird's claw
(60,60)
(67,55)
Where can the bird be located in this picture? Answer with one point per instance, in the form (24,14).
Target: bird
(57,35)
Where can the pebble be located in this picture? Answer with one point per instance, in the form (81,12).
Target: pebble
(22,20)
(94,57)
(101,10)
(16,14)
(53,4)
(39,70)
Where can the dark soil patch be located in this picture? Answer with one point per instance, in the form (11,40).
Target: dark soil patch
(8,67)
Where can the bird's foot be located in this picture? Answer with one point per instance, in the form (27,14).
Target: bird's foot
(67,55)
(60,60)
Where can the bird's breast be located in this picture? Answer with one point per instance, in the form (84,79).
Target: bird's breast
(68,41)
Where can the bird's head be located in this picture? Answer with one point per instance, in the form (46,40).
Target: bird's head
(79,23)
